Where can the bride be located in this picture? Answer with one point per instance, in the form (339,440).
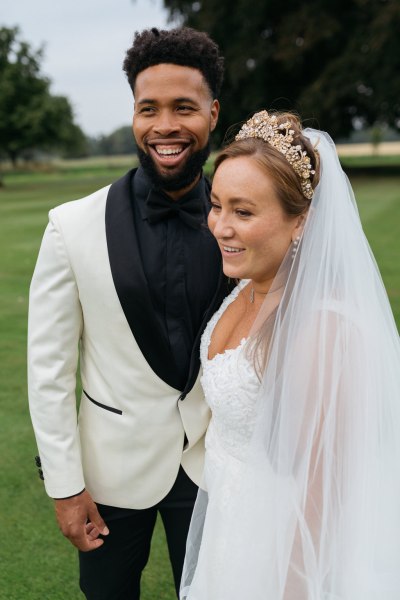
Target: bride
(301,369)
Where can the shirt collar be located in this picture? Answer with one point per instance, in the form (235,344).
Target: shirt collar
(142,185)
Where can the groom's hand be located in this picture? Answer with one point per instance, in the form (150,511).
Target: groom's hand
(80,521)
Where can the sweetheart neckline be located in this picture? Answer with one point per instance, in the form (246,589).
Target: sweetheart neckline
(228,350)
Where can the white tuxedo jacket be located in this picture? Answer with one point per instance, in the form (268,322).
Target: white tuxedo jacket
(128,441)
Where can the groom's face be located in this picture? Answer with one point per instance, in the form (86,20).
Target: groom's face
(173,117)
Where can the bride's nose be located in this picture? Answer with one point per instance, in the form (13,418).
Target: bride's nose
(222,228)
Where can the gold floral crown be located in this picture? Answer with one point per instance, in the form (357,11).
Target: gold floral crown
(266,127)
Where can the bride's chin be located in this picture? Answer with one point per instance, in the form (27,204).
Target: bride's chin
(232,273)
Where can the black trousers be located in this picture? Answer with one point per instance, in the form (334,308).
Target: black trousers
(113,571)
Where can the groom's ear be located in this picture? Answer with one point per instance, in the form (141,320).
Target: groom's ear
(214,113)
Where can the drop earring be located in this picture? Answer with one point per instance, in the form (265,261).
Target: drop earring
(295,245)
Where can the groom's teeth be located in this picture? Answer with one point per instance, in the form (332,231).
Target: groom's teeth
(168,150)
(229,249)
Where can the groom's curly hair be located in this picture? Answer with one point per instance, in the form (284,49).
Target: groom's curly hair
(181,46)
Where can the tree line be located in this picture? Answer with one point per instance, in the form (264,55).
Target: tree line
(335,62)
(34,122)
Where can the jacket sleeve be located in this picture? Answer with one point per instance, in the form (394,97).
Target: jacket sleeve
(54,330)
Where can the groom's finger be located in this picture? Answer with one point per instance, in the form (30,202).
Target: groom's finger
(92,531)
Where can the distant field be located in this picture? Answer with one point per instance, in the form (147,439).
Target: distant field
(36,563)
(383,149)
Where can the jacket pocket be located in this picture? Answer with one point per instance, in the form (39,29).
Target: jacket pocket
(110,408)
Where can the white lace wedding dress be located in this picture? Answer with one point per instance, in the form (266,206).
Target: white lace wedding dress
(248,538)
(231,387)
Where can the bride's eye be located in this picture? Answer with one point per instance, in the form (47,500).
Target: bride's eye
(243,213)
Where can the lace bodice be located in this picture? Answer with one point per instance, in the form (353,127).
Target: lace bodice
(230,385)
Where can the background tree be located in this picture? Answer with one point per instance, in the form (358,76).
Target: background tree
(336,62)
(30,117)
(120,141)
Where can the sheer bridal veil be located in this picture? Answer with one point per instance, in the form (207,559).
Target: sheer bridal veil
(315,513)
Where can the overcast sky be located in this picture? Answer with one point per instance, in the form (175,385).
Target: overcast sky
(85,43)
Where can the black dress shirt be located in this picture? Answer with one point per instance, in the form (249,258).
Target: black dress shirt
(182,265)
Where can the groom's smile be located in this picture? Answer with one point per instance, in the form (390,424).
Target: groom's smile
(169,153)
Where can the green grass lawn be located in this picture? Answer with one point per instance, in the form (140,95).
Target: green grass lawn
(36,562)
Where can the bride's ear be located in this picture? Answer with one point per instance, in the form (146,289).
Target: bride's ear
(299,226)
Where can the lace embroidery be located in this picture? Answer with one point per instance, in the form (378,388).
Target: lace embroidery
(230,385)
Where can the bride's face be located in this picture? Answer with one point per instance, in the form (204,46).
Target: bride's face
(251,227)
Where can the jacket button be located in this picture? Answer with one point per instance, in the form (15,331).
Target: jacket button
(41,474)
(38,462)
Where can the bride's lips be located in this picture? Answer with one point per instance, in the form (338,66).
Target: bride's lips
(168,153)
(231,251)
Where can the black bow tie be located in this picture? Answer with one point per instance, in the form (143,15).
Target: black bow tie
(158,207)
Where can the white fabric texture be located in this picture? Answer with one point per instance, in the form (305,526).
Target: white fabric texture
(301,497)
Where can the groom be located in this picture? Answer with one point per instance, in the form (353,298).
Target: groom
(125,281)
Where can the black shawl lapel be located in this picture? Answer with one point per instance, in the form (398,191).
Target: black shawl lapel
(130,282)
(225,286)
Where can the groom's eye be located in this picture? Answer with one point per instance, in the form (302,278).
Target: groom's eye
(184,108)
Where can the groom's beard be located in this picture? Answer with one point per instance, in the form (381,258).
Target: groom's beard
(180,180)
